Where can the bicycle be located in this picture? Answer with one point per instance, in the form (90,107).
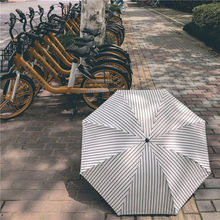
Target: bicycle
(18,90)
(116,63)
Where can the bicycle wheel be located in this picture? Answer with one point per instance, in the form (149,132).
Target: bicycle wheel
(23,97)
(116,20)
(105,77)
(113,36)
(116,51)
(125,68)
(118,31)
(109,55)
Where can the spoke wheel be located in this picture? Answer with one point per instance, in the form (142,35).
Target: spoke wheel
(105,77)
(119,65)
(116,20)
(113,37)
(23,97)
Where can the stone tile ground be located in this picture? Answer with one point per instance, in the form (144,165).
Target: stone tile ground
(41,149)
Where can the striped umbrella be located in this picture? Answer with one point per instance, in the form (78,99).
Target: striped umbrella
(144,152)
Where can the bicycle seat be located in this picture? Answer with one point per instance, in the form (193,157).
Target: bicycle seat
(80,52)
(91,32)
(85,39)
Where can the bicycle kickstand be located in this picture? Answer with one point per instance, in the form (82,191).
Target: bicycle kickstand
(73,100)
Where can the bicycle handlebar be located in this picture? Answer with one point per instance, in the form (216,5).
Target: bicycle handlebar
(41,12)
(61,4)
(48,14)
(22,18)
(32,13)
(12,24)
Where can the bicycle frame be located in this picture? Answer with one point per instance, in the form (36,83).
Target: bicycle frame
(57,52)
(69,28)
(19,61)
(57,43)
(50,59)
(52,66)
(73,23)
(15,86)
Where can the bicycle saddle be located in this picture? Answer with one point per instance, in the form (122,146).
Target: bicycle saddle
(80,52)
(85,39)
(91,32)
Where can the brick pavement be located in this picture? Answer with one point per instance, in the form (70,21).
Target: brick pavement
(41,149)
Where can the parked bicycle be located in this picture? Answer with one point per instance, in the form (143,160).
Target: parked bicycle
(35,58)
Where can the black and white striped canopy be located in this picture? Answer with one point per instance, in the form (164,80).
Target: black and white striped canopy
(144,152)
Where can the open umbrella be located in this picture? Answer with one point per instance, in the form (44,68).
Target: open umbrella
(144,152)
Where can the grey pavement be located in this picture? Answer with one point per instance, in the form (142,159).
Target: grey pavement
(7,8)
(40,156)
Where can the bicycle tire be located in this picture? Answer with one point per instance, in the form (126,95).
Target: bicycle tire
(115,19)
(114,36)
(116,51)
(120,65)
(108,55)
(114,80)
(23,97)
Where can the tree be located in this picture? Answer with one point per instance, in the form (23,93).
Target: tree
(93,17)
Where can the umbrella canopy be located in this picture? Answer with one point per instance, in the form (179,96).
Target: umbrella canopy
(144,152)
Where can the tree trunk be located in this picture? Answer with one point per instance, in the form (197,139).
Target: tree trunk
(93,17)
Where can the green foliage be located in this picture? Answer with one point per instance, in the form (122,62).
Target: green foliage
(108,39)
(115,8)
(67,40)
(184,5)
(207,16)
(205,24)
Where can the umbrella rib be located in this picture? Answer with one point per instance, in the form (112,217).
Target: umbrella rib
(186,143)
(183,126)
(160,98)
(169,105)
(182,155)
(131,123)
(112,128)
(205,173)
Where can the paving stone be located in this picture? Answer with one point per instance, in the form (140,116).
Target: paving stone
(190,206)
(162,218)
(217,205)
(179,216)
(192,217)
(74,206)
(216,173)
(207,194)
(127,218)
(22,216)
(211,216)
(144,218)
(214,164)
(205,206)
(113,217)
(33,206)
(5,216)
(89,215)
(57,216)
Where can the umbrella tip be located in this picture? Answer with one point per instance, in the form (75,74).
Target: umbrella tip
(147,140)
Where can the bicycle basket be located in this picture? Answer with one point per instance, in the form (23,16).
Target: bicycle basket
(6,57)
